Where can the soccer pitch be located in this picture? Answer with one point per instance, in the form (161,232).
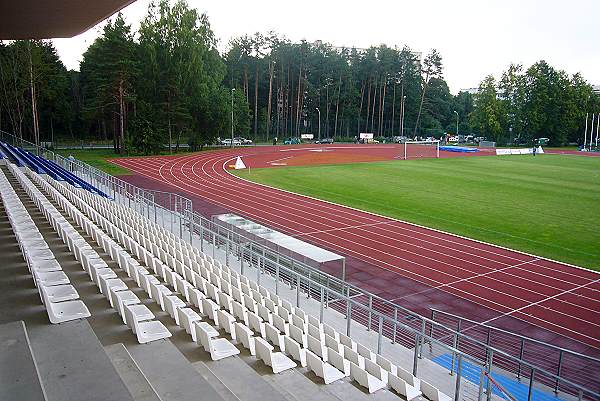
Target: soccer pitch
(548,205)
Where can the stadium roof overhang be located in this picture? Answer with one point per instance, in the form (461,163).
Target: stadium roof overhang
(35,19)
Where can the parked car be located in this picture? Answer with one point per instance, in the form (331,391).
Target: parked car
(243,141)
(227,142)
(325,140)
(291,141)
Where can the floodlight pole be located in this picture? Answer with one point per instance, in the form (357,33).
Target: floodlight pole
(232,90)
(585,132)
(402,116)
(455,112)
(319,111)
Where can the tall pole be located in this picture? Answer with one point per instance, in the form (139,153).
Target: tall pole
(402,116)
(319,111)
(455,112)
(597,126)
(232,90)
(585,132)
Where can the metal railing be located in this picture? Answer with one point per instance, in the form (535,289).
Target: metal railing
(427,337)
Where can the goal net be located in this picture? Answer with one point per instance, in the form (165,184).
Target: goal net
(421,149)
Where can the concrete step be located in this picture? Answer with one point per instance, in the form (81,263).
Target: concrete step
(131,374)
(19,378)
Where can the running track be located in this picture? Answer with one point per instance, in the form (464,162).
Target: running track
(557,297)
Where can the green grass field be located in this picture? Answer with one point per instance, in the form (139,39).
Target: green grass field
(548,205)
(97,158)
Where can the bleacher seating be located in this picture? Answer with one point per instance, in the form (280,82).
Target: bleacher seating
(197,291)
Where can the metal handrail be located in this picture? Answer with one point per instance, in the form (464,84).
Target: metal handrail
(519,336)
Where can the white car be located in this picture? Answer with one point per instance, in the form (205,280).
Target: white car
(227,142)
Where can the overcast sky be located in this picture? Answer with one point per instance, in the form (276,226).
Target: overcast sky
(474,37)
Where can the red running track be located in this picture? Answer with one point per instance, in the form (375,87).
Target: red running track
(554,296)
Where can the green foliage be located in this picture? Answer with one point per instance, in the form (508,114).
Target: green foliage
(538,102)
(145,137)
(522,202)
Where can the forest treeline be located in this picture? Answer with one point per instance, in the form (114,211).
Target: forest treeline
(168,84)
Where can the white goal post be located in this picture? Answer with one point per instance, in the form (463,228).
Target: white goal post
(421,149)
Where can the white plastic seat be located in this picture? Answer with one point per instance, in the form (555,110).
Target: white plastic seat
(281,324)
(264,313)
(159,291)
(330,342)
(136,313)
(211,331)
(322,369)
(408,377)
(59,312)
(106,283)
(273,335)
(224,301)
(146,331)
(316,332)
(298,335)
(317,347)
(401,387)
(256,324)
(218,348)
(196,297)
(432,393)
(386,364)
(121,298)
(45,266)
(299,322)
(276,360)
(244,335)
(347,341)
(365,352)
(209,308)
(172,303)
(354,357)
(240,312)
(376,370)
(51,278)
(61,293)
(338,361)
(294,349)
(226,322)
(362,377)
(187,317)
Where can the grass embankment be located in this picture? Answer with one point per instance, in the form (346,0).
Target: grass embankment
(547,205)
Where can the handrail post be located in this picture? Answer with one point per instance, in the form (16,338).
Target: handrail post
(458,378)
(558,369)
(370,312)
(395,325)
(530,390)
(321,305)
(521,353)
(348,316)
(416,355)
(455,347)
(422,339)
(380,335)
(490,360)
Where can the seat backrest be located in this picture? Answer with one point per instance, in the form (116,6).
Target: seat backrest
(243,333)
(315,346)
(254,321)
(335,359)
(347,341)
(406,376)
(287,305)
(314,331)
(331,342)
(202,335)
(263,312)
(238,310)
(263,349)
(272,333)
(284,313)
(385,363)
(351,355)
(297,334)
(357,373)
(429,391)
(279,323)
(364,351)
(375,370)
(314,321)
(314,363)
(129,318)
(298,321)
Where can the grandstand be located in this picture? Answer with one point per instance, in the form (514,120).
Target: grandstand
(126,284)
(110,279)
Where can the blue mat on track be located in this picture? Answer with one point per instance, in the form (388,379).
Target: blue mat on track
(458,149)
(516,389)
